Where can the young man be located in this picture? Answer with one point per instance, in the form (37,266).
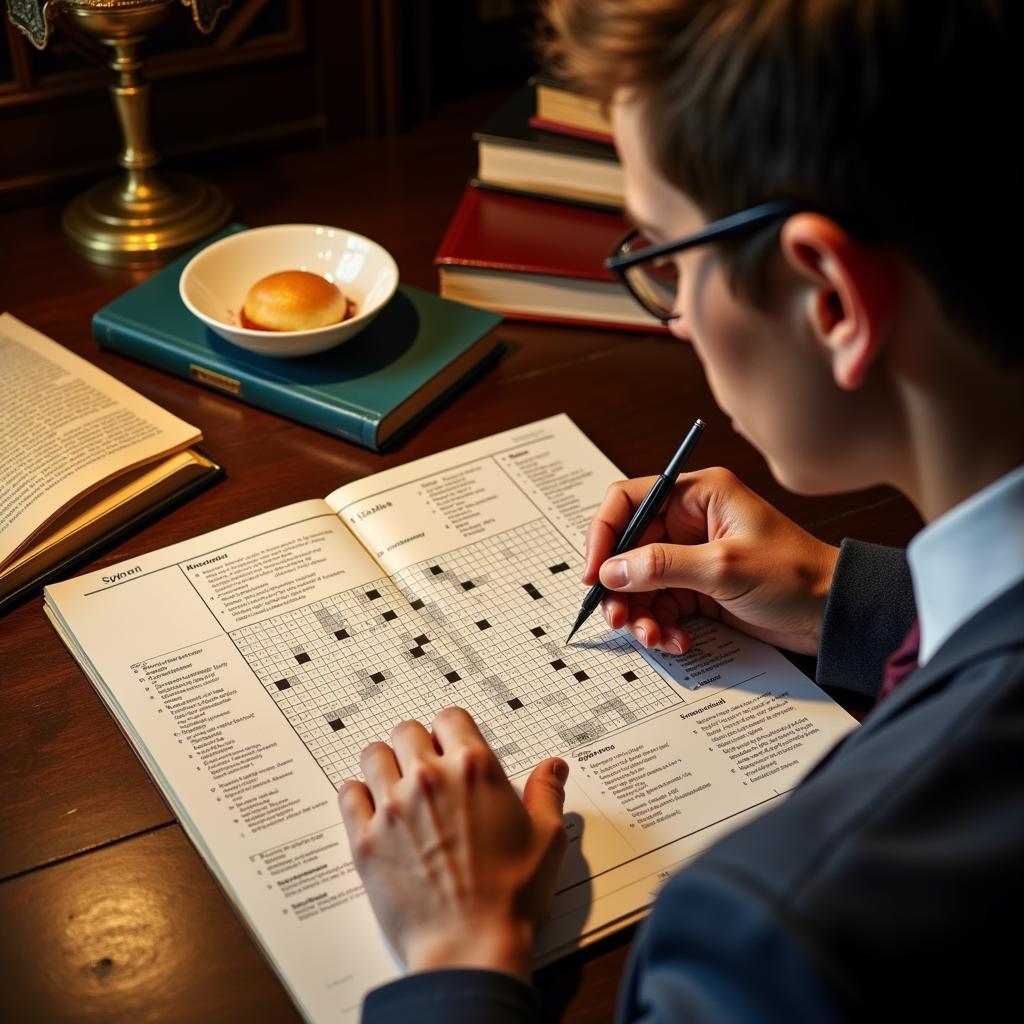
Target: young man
(862,330)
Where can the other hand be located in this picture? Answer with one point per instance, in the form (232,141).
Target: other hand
(460,872)
(717,550)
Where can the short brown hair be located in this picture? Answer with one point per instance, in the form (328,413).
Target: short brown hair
(899,118)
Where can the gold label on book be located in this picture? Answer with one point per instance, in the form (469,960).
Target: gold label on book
(212,379)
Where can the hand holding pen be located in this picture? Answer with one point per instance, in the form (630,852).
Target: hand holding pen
(643,516)
(716,550)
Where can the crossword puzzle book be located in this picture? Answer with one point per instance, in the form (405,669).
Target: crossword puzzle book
(248,667)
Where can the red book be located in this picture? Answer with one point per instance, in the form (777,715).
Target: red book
(532,259)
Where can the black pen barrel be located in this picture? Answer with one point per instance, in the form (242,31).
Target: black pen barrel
(675,467)
(646,511)
(642,517)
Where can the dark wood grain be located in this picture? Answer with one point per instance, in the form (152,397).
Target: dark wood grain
(108,912)
(137,931)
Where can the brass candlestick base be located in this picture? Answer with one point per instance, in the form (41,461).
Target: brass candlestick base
(142,217)
(115,224)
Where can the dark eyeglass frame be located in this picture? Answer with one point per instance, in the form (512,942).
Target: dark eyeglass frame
(756,216)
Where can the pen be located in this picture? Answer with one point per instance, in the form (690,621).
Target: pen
(641,518)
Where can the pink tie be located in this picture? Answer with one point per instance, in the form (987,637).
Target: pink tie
(901,662)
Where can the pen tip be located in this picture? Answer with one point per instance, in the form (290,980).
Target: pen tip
(580,619)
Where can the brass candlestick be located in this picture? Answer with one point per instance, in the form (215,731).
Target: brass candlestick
(140,217)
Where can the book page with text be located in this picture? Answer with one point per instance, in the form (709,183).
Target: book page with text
(66,427)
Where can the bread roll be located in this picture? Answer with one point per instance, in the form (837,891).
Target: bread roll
(293,300)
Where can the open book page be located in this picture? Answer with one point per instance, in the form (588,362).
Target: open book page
(483,546)
(250,666)
(66,428)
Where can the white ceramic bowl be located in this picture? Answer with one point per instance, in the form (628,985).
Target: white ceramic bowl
(215,281)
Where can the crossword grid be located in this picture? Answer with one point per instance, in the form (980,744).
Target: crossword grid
(482,627)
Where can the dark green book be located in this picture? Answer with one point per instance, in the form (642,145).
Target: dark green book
(514,155)
(417,352)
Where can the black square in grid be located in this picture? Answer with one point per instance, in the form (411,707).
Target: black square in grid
(515,703)
(630,677)
(417,652)
(561,567)
(341,634)
(421,640)
(436,570)
(483,624)
(283,684)
(373,594)
(377,677)
(452,677)
(468,584)
(336,724)
(416,605)
(302,658)
(557,664)
(538,631)
(389,616)
(581,675)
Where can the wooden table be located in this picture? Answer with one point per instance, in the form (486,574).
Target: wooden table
(108,912)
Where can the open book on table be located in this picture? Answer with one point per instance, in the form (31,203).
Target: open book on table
(83,458)
(249,666)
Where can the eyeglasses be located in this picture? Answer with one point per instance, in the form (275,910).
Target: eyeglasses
(652,278)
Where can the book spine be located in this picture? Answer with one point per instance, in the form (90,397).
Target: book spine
(280,398)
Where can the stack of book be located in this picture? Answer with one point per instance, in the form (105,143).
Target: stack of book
(533,228)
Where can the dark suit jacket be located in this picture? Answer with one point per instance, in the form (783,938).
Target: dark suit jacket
(889,884)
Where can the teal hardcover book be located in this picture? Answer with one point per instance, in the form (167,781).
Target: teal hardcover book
(417,352)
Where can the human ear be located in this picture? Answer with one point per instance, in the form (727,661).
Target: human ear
(850,287)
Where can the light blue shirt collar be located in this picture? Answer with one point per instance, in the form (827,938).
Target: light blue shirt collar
(966,558)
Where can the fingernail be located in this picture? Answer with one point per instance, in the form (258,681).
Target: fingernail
(615,573)
(641,635)
(561,770)
(672,644)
